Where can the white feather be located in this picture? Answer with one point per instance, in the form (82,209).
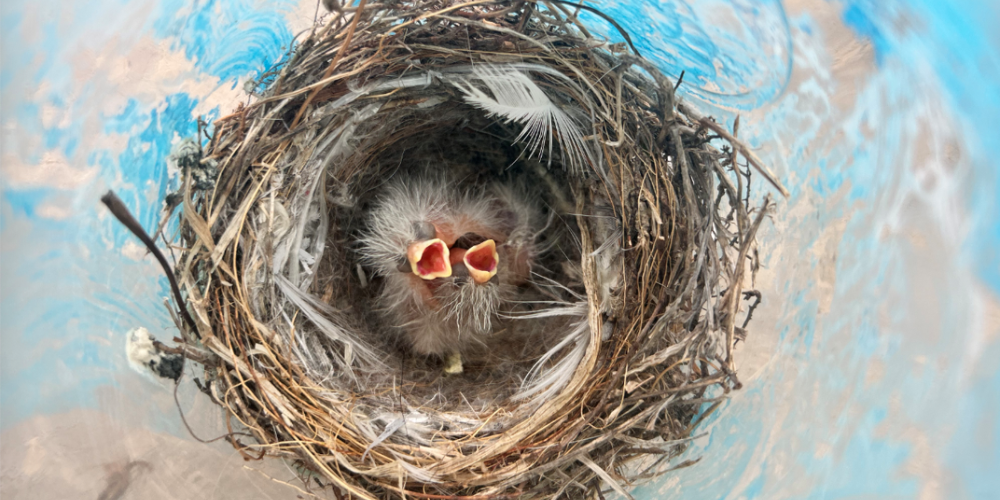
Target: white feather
(390,429)
(516,98)
(314,310)
(542,384)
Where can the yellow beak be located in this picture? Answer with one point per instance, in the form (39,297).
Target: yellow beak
(481,261)
(429,259)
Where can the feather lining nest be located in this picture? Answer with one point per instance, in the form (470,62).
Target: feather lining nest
(620,343)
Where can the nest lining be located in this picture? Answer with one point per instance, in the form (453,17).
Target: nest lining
(624,332)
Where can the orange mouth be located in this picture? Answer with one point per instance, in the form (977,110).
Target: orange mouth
(429,259)
(481,261)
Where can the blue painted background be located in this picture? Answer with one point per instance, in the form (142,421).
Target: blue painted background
(876,356)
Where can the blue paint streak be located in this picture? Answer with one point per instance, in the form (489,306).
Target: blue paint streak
(840,452)
(871,157)
(733,53)
(228,39)
(959,41)
(861,21)
(978,448)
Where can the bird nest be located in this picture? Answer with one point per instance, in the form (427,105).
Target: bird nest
(592,370)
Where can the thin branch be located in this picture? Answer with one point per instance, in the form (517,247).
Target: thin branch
(122,213)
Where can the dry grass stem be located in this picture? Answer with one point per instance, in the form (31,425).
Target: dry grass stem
(630,332)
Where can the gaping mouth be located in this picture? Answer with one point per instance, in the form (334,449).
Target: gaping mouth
(481,261)
(429,259)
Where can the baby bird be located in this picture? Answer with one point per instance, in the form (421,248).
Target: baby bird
(450,260)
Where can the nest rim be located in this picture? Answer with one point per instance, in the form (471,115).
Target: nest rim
(553,445)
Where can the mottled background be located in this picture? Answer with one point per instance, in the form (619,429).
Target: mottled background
(872,369)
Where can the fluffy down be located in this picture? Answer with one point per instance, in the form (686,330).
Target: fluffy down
(445,315)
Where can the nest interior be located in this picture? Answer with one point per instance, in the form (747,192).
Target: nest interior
(616,347)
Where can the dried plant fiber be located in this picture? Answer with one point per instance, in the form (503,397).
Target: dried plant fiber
(605,357)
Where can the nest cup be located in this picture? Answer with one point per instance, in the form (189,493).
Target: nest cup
(625,339)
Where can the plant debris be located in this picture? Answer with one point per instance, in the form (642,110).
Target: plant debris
(638,294)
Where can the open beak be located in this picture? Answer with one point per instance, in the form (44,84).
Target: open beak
(429,259)
(481,261)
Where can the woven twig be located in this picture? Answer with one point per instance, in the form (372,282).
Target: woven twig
(656,222)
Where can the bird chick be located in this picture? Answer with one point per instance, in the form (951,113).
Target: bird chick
(450,261)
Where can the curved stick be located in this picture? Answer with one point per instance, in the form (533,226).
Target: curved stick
(121,212)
